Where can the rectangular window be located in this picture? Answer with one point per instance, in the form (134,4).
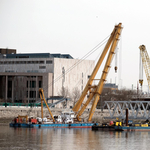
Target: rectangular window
(42,67)
(32,94)
(40,84)
(21,62)
(41,62)
(49,62)
(32,84)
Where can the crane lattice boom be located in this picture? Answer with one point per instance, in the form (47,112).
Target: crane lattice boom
(145,62)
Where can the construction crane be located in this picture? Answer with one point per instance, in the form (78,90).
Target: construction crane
(95,91)
(144,63)
(43,100)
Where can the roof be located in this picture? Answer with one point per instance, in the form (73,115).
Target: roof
(39,55)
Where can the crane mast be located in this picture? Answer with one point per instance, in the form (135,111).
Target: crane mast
(95,91)
(146,64)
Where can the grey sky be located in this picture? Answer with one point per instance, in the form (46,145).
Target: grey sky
(75,27)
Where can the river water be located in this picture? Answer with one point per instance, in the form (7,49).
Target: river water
(71,139)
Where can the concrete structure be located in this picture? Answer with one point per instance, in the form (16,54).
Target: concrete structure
(7,51)
(21,75)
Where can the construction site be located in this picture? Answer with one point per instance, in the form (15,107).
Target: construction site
(48,79)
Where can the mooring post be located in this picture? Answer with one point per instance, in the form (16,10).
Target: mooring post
(127,117)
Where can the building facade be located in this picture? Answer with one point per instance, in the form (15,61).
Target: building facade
(21,75)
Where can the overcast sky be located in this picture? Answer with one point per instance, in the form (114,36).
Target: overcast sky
(75,27)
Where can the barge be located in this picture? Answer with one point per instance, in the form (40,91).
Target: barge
(53,125)
(119,126)
(65,120)
(144,127)
(62,121)
(103,128)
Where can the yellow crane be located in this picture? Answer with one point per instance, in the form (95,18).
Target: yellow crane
(146,64)
(43,100)
(95,91)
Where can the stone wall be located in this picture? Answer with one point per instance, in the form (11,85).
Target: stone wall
(11,112)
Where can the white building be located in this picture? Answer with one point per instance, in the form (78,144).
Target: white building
(21,75)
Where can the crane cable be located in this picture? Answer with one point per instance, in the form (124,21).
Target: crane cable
(83,58)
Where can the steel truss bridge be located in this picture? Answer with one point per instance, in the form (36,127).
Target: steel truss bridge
(137,109)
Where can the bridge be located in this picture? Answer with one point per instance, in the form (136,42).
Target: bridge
(137,109)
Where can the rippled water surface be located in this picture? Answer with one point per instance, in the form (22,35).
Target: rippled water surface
(71,139)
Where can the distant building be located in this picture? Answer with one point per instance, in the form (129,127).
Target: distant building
(7,51)
(111,86)
(21,75)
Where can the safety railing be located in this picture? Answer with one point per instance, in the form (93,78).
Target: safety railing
(5,104)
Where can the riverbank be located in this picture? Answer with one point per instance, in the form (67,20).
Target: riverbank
(5,121)
(7,114)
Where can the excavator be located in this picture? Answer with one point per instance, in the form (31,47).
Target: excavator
(95,91)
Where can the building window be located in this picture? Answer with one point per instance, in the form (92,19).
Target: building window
(32,84)
(89,76)
(32,94)
(41,62)
(40,84)
(49,62)
(42,67)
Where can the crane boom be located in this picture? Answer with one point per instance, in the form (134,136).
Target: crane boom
(146,63)
(96,91)
(43,99)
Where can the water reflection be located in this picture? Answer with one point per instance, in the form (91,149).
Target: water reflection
(84,139)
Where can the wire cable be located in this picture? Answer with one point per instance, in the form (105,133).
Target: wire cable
(83,58)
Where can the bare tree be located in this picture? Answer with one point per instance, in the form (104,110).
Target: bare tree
(117,95)
(124,95)
(64,92)
(75,95)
